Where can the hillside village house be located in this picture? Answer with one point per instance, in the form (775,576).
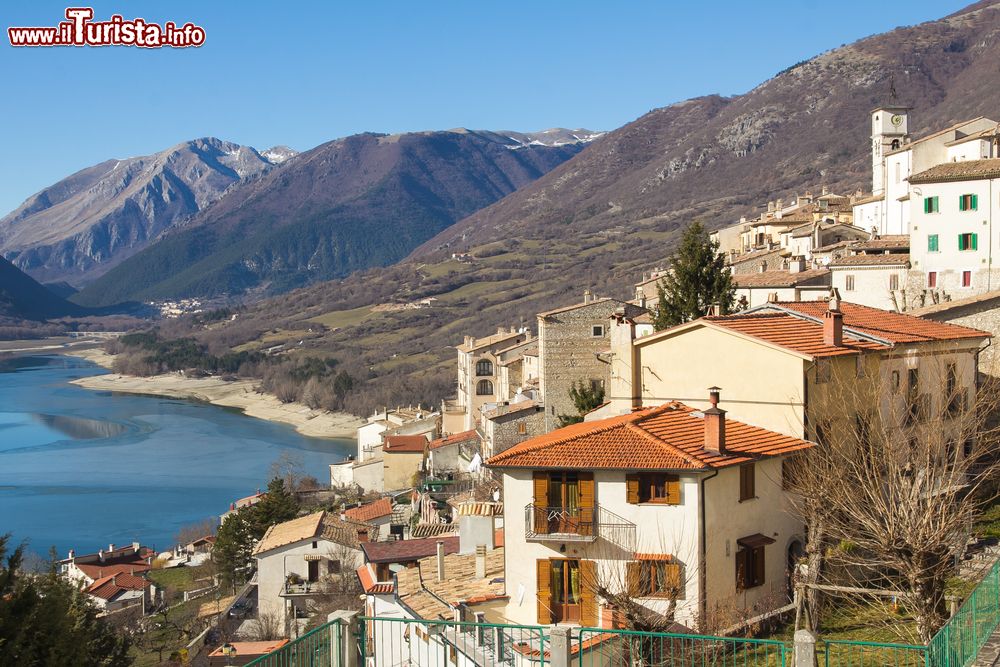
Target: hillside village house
(133,559)
(794,282)
(478,377)
(401,421)
(297,558)
(666,506)
(508,424)
(377,514)
(808,369)
(115,592)
(875,280)
(403,457)
(573,346)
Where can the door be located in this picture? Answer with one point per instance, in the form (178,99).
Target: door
(313,571)
(564,502)
(566,591)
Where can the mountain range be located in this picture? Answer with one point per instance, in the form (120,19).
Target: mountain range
(615,210)
(353,203)
(80,227)
(23,298)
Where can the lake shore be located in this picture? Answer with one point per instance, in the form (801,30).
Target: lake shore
(239,394)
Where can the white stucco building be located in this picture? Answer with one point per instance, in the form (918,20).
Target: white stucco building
(665,504)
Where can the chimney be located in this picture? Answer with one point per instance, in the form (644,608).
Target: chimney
(640,297)
(797,264)
(468,342)
(72,555)
(135,547)
(715,424)
(100,555)
(501,331)
(481,562)
(111,547)
(772,297)
(770,207)
(833,321)
(825,190)
(440,561)
(763,266)
(588,296)
(778,204)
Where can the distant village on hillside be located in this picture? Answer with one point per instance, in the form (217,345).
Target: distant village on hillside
(598,471)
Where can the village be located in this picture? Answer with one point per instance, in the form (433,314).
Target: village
(599,473)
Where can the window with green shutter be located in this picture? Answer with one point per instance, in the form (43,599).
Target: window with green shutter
(968,202)
(932,243)
(931,205)
(967,241)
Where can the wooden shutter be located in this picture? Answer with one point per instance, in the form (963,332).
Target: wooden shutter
(633,574)
(588,601)
(674,582)
(975,202)
(758,566)
(961,202)
(540,480)
(741,568)
(632,489)
(544,591)
(927,204)
(673,489)
(587,507)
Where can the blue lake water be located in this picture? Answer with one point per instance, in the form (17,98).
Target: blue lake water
(81,469)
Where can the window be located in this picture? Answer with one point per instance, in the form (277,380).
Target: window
(333,567)
(899,173)
(894,145)
(894,282)
(966,278)
(565,591)
(895,381)
(655,578)
(848,283)
(750,561)
(968,202)
(823,371)
(967,241)
(653,488)
(597,331)
(859,366)
(484,388)
(932,243)
(932,279)
(315,544)
(954,397)
(522,428)
(484,367)
(747,482)
(931,205)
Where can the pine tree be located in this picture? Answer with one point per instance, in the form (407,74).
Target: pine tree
(585,398)
(697,279)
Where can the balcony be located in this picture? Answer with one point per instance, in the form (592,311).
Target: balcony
(580,524)
(302,588)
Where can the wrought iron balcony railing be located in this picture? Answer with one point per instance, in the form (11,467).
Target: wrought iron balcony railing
(577,524)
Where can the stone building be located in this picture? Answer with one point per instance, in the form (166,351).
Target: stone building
(573,345)
(508,425)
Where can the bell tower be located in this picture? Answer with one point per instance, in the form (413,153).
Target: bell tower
(889,132)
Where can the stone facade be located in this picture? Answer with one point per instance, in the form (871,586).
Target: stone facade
(574,345)
(979,312)
(509,425)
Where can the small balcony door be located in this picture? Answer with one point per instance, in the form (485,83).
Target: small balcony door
(564,502)
(566,591)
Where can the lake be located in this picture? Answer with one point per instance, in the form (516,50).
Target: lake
(81,469)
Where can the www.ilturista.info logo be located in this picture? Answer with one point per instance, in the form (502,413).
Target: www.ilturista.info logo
(81,30)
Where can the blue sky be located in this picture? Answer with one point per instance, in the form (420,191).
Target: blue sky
(301,73)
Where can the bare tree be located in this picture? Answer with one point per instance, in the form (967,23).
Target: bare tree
(267,626)
(900,476)
(195,531)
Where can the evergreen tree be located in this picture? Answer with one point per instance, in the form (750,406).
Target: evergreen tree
(277,505)
(585,398)
(697,279)
(46,620)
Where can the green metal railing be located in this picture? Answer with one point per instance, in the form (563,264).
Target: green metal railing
(316,648)
(849,653)
(394,642)
(959,641)
(602,647)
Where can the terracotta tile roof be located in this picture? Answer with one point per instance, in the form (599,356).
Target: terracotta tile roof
(419,589)
(834,246)
(97,571)
(368,583)
(513,408)
(669,437)
(967,170)
(404,443)
(793,333)
(885,242)
(454,439)
(322,525)
(374,510)
(893,327)
(406,551)
(757,254)
(945,306)
(782,278)
(893,259)
(480,508)
(107,588)
(488,341)
(433,530)
(867,199)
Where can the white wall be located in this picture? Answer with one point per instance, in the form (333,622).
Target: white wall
(871,284)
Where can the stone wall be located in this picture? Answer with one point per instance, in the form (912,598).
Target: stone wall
(983,314)
(569,352)
(504,431)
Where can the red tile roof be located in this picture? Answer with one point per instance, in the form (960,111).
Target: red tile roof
(669,437)
(797,325)
(368,583)
(404,443)
(880,259)
(98,571)
(454,438)
(782,278)
(108,587)
(405,551)
(375,510)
